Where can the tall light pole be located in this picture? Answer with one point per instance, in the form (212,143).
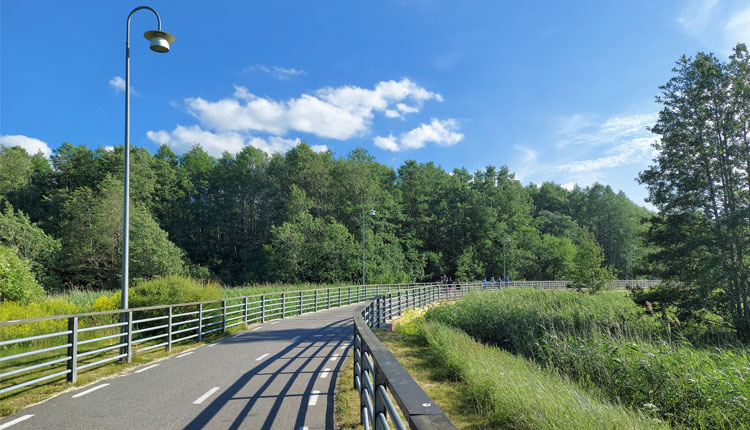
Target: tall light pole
(160,41)
(372,213)
(507,239)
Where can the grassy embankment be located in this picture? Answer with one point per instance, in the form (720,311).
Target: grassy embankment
(601,342)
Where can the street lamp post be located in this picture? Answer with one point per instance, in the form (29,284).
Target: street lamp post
(160,41)
(507,239)
(372,213)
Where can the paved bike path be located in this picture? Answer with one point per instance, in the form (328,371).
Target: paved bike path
(276,375)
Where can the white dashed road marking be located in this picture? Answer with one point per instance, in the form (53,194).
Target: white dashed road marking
(313,398)
(295,337)
(275,322)
(18,420)
(90,390)
(324,374)
(335,357)
(237,335)
(202,398)
(183,355)
(262,357)
(146,368)
(256,328)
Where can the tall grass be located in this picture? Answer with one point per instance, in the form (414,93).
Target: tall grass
(604,342)
(515,393)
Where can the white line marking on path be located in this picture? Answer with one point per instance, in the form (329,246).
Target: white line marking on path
(146,368)
(262,357)
(275,322)
(18,420)
(202,398)
(335,357)
(90,390)
(344,346)
(325,372)
(214,344)
(313,398)
(256,328)
(295,337)
(183,355)
(304,428)
(237,335)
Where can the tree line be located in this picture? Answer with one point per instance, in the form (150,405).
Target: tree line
(254,217)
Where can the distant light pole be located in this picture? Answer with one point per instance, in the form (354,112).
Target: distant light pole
(372,213)
(507,239)
(160,41)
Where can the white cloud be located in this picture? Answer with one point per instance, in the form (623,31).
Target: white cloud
(719,25)
(388,143)
(117,83)
(443,133)
(569,186)
(319,148)
(277,72)
(30,144)
(109,148)
(636,150)
(332,112)
(182,138)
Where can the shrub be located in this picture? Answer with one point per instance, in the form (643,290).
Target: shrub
(16,281)
(172,290)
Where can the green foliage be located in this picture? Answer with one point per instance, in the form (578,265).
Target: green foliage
(587,270)
(515,393)
(92,240)
(171,290)
(32,243)
(606,343)
(699,184)
(17,283)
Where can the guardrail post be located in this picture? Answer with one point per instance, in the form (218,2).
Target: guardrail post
(398,294)
(200,322)
(129,337)
(73,349)
(263,308)
(244,308)
(378,406)
(283,305)
(223,316)
(349,296)
(168,347)
(329,299)
(300,302)
(316,300)
(339,303)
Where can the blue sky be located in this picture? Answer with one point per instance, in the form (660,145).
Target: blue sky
(558,91)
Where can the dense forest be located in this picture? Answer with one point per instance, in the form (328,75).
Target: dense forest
(253,217)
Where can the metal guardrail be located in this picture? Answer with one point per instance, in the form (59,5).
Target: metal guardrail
(377,373)
(46,349)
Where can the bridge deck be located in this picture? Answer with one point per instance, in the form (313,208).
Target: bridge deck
(276,375)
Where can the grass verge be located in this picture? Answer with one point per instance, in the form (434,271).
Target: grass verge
(512,392)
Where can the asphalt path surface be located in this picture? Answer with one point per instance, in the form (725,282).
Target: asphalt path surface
(275,375)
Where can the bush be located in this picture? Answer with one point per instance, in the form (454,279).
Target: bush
(16,281)
(172,290)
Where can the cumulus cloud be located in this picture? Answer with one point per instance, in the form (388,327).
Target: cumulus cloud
(277,72)
(332,112)
(118,84)
(30,144)
(340,113)
(443,133)
(182,138)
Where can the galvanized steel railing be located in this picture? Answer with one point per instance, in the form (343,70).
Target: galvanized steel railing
(45,349)
(377,373)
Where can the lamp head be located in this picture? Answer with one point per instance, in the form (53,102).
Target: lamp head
(160,40)
(372,212)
